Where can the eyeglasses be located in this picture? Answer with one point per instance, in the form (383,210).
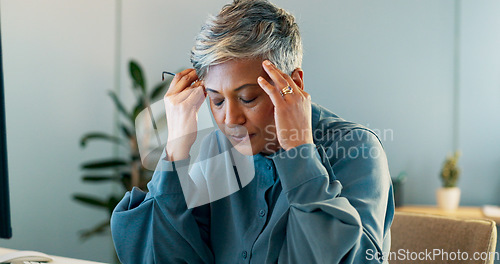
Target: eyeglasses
(163,75)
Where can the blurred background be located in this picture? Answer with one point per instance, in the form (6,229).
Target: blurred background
(424,74)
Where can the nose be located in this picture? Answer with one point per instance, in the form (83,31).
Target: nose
(234,114)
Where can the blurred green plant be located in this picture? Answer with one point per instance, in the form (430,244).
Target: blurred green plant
(450,171)
(125,171)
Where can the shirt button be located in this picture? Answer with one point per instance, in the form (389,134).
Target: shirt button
(244,254)
(262,213)
(269,167)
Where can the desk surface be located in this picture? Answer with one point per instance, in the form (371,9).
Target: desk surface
(57,260)
(461,212)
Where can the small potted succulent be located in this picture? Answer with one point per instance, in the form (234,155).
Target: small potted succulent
(448,196)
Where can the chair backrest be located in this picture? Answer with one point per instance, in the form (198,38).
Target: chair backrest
(423,238)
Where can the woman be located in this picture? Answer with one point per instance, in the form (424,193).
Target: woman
(321,191)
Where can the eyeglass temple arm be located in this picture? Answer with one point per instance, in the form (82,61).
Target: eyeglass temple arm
(166,72)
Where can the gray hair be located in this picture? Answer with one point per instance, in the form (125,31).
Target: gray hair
(248,29)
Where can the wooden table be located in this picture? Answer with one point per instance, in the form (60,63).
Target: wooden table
(462,212)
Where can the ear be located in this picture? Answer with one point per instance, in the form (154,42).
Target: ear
(298,77)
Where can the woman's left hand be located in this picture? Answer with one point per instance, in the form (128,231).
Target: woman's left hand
(292,111)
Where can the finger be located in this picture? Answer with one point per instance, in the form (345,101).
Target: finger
(291,83)
(199,96)
(189,92)
(173,84)
(273,93)
(200,83)
(182,80)
(276,75)
(285,80)
(189,79)
(305,94)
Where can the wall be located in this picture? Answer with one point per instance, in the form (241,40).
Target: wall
(58,66)
(389,65)
(479,107)
(386,64)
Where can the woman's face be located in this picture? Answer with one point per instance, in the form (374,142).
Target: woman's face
(242,110)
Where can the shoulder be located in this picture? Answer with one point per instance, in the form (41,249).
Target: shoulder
(329,127)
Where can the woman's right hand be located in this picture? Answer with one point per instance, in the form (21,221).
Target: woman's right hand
(182,102)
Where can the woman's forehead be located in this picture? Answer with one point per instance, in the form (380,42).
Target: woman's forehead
(242,88)
(234,75)
(241,68)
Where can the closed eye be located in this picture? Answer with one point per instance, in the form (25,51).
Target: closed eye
(218,102)
(247,101)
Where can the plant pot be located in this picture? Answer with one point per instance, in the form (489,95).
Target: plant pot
(448,198)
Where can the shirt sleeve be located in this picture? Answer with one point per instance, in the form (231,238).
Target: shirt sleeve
(341,203)
(157,227)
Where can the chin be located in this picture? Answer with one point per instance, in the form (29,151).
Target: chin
(245,150)
(252,149)
(248,147)
(242,145)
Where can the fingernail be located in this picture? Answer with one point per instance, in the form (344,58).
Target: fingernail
(260,79)
(268,63)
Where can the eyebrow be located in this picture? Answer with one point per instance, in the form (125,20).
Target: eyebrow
(248,85)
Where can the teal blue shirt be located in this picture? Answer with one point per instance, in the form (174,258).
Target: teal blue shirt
(332,203)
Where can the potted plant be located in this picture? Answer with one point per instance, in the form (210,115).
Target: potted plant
(127,170)
(448,196)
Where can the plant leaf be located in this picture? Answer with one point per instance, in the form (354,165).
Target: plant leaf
(100,178)
(158,90)
(99,135)
(104,164)
(98,229)
(112,203)
(90,200)
(126,131)
(137,76)
(126,180)
(139,107)
(119,104)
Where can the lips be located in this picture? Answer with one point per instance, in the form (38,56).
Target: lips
(238,135)
(234,131)
(240,138)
